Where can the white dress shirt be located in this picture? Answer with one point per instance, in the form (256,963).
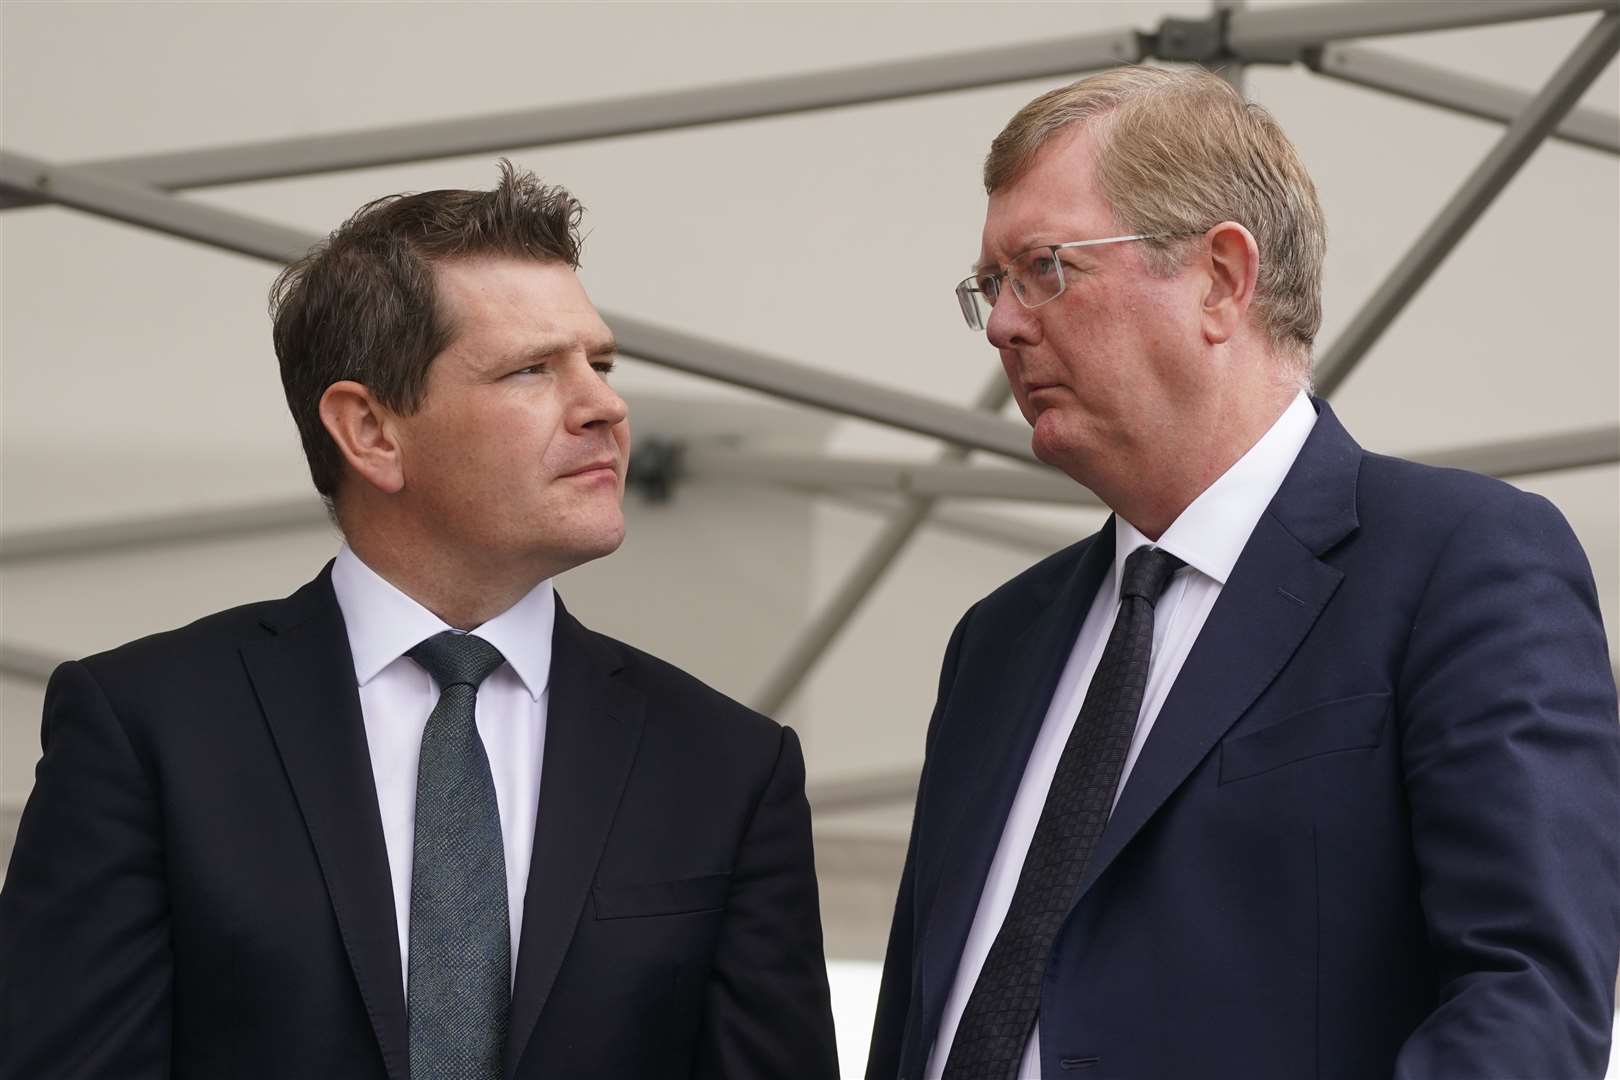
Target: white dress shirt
(1208,536)
(397,695)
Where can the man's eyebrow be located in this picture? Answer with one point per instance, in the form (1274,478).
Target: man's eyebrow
(545,348)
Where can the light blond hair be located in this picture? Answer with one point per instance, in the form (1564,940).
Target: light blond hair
(1178,151)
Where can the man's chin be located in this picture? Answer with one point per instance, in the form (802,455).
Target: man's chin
(1049,440)
(562,549)
(610,544)
(1058,448)
(600,542)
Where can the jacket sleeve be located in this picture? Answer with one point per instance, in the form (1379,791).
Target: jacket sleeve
(769,1011)
(85,960)
(894,1019)
(1511,750)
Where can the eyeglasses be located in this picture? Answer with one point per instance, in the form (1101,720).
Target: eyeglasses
(1036,276)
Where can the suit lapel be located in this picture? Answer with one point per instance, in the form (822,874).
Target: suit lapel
(995,721)
(304,677)
(1276,591)
(593,725)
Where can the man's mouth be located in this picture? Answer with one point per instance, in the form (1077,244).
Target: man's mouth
(595,468)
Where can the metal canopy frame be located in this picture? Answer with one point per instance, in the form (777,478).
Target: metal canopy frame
(139,190)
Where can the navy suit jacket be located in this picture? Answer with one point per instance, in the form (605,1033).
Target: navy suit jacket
(1375,830)
(200,886)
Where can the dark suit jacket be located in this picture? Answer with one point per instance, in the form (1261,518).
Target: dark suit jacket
(1375,829)
(200,887)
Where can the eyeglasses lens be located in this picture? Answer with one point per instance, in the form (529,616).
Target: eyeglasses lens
(1036,276)
(976,297)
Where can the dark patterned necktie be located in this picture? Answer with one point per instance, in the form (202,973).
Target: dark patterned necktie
(1001,1011)
(460,952)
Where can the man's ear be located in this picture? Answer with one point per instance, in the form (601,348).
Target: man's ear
(363,429)
(1234,266)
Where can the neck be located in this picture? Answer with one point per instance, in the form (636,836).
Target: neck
(464,591)
(1180,462)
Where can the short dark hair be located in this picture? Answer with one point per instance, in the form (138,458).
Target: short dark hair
(363,305)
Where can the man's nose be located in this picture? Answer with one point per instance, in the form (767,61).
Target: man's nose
(595,403)
(1011,323)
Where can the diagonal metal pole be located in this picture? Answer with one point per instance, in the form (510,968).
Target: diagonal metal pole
(838,473)
(1511,458)
(805,385)
(27,664)
(1467,94)
(145,208)
(665,110)
(1518,142)
(162,530)
(799,383)
(825,625)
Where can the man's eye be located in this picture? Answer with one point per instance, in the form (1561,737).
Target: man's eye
(605,366)
(1043,266)
(990,286)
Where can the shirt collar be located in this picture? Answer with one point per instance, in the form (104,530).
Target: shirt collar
(1211,533)
(384,624)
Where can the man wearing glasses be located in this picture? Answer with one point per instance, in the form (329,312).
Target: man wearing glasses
(1307,764)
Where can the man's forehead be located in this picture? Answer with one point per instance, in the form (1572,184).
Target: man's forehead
(519,295)
(513,316)
(1004,238)
(502,280)
(1053,200)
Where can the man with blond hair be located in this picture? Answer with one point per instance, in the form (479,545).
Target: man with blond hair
(1307,763)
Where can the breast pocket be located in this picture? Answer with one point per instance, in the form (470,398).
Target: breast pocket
(1352,723)
(682,896)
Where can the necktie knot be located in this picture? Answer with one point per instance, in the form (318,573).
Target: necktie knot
(457,659)
(1147,572)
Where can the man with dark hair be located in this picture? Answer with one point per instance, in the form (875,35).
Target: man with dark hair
(415,822)
(1307,764)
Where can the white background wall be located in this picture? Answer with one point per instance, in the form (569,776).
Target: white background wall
(138,376)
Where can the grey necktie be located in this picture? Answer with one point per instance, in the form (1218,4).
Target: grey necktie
(460,953)
(1001,1011)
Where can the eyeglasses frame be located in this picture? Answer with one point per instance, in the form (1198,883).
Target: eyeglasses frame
(970,284)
